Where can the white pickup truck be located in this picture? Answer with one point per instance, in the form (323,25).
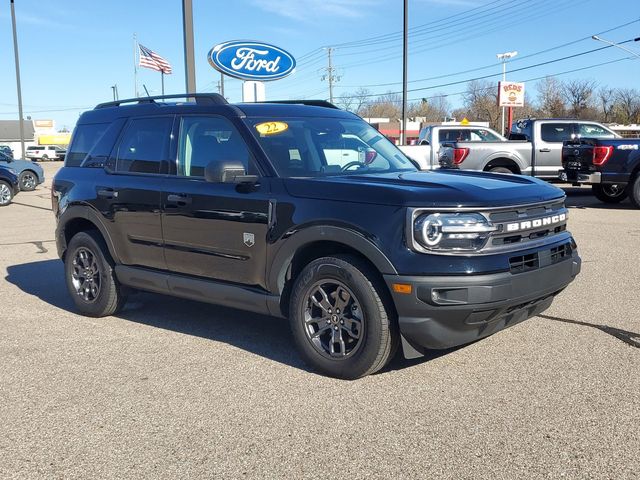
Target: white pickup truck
(426,153)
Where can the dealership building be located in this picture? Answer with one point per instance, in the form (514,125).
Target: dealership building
(36,132)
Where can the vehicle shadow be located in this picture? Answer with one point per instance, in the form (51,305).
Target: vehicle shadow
(265,336)
(581,197)
(268,337)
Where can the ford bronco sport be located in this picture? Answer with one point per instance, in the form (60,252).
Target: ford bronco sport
(241,205)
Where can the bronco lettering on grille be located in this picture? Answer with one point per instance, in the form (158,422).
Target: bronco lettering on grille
(539,222)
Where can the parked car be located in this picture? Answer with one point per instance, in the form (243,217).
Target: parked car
(535,147)
(430,139)
(6,149)
(610,166)
(237,205)
(9,185)
(29,173)
(45,152)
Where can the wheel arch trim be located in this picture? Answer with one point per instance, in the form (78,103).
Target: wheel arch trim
(82,212)
(318,233)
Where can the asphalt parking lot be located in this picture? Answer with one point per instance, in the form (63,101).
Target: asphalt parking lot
(171,388)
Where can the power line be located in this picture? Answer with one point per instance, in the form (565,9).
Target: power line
(483,77)
(493,65)
(493,87)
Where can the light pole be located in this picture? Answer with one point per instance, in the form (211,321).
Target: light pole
(617,45)
(504,57)
(189,61)
(15,51)
(405,54)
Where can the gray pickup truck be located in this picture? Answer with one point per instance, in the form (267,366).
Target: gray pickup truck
(535,148)
(426,152)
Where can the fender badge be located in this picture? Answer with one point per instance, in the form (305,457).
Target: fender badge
(249,239)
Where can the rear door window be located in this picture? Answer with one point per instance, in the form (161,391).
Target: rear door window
(556,132)
(590,130)
(145,146)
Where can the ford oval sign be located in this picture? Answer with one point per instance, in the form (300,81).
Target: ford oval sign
(251,60)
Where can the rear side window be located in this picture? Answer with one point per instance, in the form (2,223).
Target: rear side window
(84,139)
(590,130)
(556,132)
(144,147)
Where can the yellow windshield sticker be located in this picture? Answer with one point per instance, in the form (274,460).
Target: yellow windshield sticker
(271,128)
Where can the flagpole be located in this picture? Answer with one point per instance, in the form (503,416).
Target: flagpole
(162,77)
(135,64)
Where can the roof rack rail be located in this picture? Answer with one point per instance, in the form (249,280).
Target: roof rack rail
(314,103)
(200,98)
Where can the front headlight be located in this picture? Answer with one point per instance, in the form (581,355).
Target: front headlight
(12,170)
(451,231)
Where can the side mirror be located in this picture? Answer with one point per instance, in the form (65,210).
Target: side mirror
(228,172)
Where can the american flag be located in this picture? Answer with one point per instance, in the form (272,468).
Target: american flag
(150,59)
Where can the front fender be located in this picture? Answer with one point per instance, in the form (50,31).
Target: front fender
(317,233)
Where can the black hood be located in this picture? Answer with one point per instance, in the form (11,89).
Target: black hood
(441,188)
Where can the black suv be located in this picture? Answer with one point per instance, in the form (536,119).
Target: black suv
(249,206)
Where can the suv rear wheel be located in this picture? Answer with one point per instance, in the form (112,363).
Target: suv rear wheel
(90,277)
(6,194)
(609,193)
(28,181)
(338,318)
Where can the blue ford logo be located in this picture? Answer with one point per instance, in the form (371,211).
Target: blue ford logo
(251,60)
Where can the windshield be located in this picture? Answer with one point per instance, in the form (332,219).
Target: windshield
(313,147)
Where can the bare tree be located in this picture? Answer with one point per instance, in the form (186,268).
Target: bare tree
(386,106)
(550,101)
(606,99)
(361,97)
(433,109)
(627,105)
(481,102)
(579,96)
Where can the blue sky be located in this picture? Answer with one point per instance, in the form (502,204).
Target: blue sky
(72,51)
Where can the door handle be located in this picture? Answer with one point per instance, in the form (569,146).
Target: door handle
(545,150)
(180,199)
(108,193)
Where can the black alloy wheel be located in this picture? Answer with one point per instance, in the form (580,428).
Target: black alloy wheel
(28,181)
(333,319)
(341,317)
(86,277)
(90,276)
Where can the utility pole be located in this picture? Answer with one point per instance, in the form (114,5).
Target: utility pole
(189,61)
(15,51)
(330,76)
(405,48)
(221,84)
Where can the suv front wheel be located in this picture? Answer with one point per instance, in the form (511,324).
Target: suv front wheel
(338,318)
(90,277)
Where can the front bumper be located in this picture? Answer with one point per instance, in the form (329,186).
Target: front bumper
(447,311)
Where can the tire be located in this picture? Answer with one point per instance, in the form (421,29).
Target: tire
(633,190)
(45,158)
(28,181)
(500,170)
(6,194)
(350,344)
(90,276)
(608,193)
